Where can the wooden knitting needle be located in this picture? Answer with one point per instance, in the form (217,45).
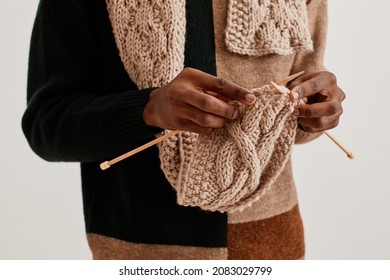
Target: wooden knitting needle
(348,153)
(284,81)
(289,78)
(107,164)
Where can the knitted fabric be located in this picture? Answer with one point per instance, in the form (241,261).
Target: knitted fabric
(234,166)
(267,26)
(150,35)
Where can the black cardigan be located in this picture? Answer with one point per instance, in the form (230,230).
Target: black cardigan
(83,107)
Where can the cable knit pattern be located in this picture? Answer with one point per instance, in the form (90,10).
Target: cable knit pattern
(267,26)
(150,36)
(234,166)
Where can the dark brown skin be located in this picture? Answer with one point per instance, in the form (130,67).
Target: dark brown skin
(195,101)
(199,102)
(323,99)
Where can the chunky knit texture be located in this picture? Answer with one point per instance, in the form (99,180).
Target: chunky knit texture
(267,26)
(151,34)
(234,166)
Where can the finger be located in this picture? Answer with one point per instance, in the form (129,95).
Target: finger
(217,95)
(204,119)
(316,110)
(210,104)
(340,93)
(301,79)
(224,87)
(188,125)
(313,85)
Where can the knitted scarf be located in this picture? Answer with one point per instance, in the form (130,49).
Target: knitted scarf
(232,167)
(150,35)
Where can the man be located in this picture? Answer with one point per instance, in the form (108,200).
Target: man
(105,77)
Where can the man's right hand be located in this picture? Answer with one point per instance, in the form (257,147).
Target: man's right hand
(195,101)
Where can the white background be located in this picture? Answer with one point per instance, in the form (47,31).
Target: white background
(345,204)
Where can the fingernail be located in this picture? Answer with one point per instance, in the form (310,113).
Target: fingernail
(235,114)
(296,112)
(250,98)
(295,94)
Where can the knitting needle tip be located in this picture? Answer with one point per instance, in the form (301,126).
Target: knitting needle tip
(105,165)
(348,153)
(277,87)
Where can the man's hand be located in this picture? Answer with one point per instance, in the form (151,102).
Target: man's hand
(195,101)
(323,100)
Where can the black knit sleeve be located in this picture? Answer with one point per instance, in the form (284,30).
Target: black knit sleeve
(72,115)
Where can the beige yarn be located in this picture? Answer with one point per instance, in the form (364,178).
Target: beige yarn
(234,166)
(267,26)
(150,35)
